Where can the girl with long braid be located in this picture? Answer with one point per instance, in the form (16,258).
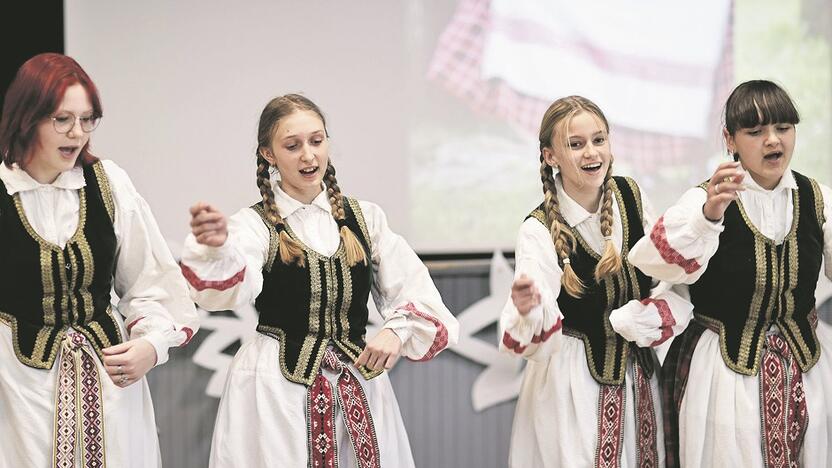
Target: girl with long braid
(589,397)
(308,390)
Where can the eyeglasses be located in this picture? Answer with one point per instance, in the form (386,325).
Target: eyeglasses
(65,121)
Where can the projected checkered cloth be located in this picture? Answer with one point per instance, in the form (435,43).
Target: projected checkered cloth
(456,66)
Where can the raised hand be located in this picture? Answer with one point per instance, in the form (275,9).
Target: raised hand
(723,188)
(524,294)
(208,225)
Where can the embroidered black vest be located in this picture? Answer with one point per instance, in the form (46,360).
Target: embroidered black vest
(588,317)
(752,284)
(45,289)
(325,301)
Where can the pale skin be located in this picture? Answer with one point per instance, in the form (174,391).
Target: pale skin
(764,151)
(582,160)
(51,154)
(299,145)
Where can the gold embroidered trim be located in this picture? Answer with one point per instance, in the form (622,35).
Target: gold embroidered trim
(362,224)
(48,301)
(82,222)
(540,216)
(40,358)
(274,242)
(760,282)
(86,281)
(637,195)
(625,221)
(792,230)
(346,303)
(95,327)
(590,353)
(307,348)
(104,188)
(818,197)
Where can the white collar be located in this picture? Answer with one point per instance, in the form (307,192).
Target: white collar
(572,211)
(287,205)
(787,182)
(18,180)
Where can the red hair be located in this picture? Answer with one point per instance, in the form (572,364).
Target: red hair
(35,94)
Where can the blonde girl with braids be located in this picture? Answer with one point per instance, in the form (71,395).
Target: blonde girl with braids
(304,260)
(589,395)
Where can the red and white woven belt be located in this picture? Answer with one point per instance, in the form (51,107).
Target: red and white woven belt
(611,402)
(782,405)
(321,406)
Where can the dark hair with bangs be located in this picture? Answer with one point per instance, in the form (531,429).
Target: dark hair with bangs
(758,102)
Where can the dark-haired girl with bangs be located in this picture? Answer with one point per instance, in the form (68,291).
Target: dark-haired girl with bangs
(579,312)
(73,227)
(747,383)
(308,390)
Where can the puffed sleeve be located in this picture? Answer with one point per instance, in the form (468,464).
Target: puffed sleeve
(404,292)
(653,320)
(538,334)
(680,243)
(153,297)
(229,276)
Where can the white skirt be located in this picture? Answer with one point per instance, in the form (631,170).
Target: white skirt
(27,415)
(720,421)
(261,421)
(556,419)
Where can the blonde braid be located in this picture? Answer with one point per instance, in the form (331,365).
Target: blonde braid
(610,262)
(355,251)
(290,250)
(561,235)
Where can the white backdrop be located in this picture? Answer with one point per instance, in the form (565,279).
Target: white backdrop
(433,106)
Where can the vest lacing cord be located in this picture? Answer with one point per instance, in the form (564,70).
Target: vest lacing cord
(320,417)
(782,404)
(79,409)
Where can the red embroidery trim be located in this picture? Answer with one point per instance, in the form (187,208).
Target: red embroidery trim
(782,405)
(514,345)
(610,426)
(648,455)
(201,285)
(320,423)
(440,340)
(320,418)
(360,427)
(667,319)
(659,237)
(133,323)
(188,335)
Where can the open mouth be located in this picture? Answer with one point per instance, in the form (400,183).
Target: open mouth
(592,168)
(68,151)
(774,156)
(309,171)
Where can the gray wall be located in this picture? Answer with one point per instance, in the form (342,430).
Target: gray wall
(434,397)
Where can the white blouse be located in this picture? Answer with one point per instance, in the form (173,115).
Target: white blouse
(687,241)
(649,322)
(152,295)
(230,276)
